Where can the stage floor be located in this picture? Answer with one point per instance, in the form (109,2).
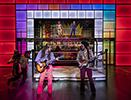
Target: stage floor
(72,73)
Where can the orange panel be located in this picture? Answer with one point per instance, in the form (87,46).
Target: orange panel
(53,7)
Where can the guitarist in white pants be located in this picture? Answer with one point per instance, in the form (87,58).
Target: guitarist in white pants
(82,55)
(45,54)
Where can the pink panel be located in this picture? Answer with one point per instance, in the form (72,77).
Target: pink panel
(47,1)
(84,1)
(4,59)
(123,47)
(109,1)
(21,1)
(123,35)
(123,22)
(7,35)
(123,59)
(59,1)
(96,1)
(7,1)
(123,10)
(34,1)
(123,1)
(7,22)
(7,10)
(72,1)
(7,47)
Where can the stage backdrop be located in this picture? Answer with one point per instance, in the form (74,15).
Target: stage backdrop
(8,24)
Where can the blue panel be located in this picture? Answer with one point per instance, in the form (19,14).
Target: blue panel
(75,7)
(21,7)
(86,7)
(109,7)
(109,15)
(21,15)
(98,7)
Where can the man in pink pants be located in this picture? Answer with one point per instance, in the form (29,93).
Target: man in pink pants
(45,54)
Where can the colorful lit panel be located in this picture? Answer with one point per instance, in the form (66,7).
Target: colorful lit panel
(24,47)
(90,14)
(106,46)
(59,1)
(53,7)
(109,15)
(75,7)
(123,22)
(46,14)
(123,47)
(84,1)
(7,22)
(123,59)
(72,1)
(30,14)
(64,14)
(123,1)
(98,14)
(21,1)
(43,7)
(109,34)
(34,1)
(96,1)
(4,59)
(98,7)
(47,1)
(21,25)
(87,7)
(7,1)
(30,23)
(21,15)
(81,14)
(55,14)
(7,35)
(32,7)
(123,10)
(7,10)
(21,7)
(109,7)
(123,35)
(38,14)
(21,35)
(64,7)
(7,47)
(109,1)
(98,23)
(109,25)
(72,14)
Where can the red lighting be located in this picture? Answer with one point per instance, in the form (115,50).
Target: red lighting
(123,22)
(84,1)
(7,22)
(59,1)
(123,10)
(4,59)
(7,10)
(109,1)
(47,1)
(72,1)
(21,1)
(123,59)
(7,1)
(96,1)
(123,1)
(7,47)
(34,1)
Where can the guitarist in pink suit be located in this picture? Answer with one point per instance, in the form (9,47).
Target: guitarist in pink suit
(45,54)
(82,55)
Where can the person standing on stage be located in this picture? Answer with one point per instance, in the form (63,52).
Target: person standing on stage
(59,28)
(82,55)
(21,69)
(15,59)
(73,27)
(45,54)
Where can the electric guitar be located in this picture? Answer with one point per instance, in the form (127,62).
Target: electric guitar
(85,62)
(44,66)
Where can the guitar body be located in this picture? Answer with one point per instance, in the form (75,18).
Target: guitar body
(42,68)
(81,67)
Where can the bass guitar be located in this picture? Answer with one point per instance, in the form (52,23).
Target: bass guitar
(44,66)
(85,62)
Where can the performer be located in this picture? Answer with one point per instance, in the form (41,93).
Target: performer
(45,54)
(21,69)
(59,28)
(15,59)
(83,54)
(73,27)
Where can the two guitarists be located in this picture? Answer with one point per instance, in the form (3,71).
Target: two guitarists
(45,54)
(83,55)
